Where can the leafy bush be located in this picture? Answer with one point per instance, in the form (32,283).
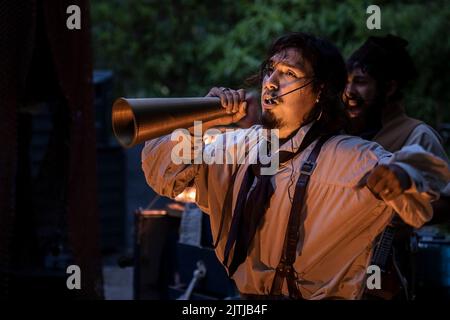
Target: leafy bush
(184,47)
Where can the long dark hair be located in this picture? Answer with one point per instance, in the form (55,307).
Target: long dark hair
(330,76)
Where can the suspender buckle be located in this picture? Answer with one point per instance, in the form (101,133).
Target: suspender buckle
(308,167)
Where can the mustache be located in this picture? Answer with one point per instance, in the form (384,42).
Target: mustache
(358,98)
(272,96)
(289,92)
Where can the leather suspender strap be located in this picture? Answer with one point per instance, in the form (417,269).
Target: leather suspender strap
(285,268)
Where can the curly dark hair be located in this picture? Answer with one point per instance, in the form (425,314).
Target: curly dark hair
(385,58)
(330,76)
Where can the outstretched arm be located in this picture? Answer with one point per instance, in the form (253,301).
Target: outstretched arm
(408,182)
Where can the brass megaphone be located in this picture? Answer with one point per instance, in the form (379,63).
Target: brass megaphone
(136,120)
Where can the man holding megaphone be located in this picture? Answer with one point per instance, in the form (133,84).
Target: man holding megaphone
(304,231)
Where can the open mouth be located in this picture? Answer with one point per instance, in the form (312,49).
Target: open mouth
(270,101)
(353,108)
(353,103)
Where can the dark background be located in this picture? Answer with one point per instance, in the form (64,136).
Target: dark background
(69,192)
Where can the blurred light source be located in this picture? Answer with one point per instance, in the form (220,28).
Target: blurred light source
(187,196)
(153,212)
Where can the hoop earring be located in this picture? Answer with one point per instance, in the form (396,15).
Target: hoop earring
(321,109)
(320,115)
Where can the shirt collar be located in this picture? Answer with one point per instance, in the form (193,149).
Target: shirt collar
(294,143)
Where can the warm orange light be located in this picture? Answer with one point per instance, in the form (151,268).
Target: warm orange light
(153,212)
(187,196)
(209,138)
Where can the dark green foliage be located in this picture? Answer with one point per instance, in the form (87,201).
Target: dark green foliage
(184,47)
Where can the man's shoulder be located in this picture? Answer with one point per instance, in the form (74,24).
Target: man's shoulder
(425,130)
(428,138)
(348,146)
(346,157)
(345,142)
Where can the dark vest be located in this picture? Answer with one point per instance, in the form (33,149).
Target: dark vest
(396,128)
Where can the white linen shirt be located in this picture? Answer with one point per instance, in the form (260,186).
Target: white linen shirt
(340,222)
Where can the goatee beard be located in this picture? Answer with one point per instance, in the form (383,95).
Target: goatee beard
(269,121)
(370,119)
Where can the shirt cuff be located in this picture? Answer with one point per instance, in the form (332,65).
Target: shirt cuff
(418,184)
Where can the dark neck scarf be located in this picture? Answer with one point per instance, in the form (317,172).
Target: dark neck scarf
(250,208)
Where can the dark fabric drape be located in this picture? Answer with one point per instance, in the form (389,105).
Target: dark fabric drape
(71,61)
(17,26)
